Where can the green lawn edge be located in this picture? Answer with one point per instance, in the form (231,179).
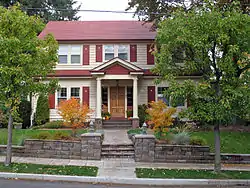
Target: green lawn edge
(189,174)
(50,169)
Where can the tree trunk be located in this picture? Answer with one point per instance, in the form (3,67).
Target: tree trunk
(9,144)
(217,162)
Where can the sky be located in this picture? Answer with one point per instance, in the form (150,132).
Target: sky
(117,5)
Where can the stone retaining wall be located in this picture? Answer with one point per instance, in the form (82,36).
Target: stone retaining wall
(88,148)
(147,150)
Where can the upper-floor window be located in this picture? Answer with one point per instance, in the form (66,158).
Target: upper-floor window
(69,54)
(116,50)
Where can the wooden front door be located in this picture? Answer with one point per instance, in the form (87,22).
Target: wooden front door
(117,101)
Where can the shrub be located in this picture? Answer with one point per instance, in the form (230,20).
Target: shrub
(25,112)
(134,131)
(142,113)
(42,136)
(129,113)
(182,138)
(197,140)
(62,135)
(42,110)
(74,114)
(3,119)
(54,125)
(182,128)
(160,115)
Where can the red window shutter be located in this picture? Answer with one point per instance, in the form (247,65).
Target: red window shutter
(98,53)
(85,95)
(52,101)
(133,53)
(151,93)
(85,55)
(150,56)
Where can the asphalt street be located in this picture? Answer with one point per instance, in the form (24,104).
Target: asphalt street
(43,184)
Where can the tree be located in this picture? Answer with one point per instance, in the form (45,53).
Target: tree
(73,113)
(25,61)
(47,10)
(157,10)
(42,110)
(215,45)
(160,116)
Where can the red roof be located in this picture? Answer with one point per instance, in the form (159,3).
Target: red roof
(99,30)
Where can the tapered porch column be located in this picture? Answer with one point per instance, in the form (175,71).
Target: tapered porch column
(98,118)
(135,121)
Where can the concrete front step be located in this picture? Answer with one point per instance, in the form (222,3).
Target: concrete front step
(118,155)
(117,126)
(117,149)
(117,122)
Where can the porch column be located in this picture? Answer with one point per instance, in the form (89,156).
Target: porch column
(135,121)
(98,118)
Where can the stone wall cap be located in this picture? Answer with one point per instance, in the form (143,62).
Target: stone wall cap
(13,146)
(91,134)
(144,136)
(184,146)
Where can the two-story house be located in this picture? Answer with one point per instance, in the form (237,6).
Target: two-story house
(105,64)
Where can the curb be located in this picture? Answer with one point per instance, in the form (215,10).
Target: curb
(124,181)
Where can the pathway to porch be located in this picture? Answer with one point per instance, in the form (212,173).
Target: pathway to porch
(116,137)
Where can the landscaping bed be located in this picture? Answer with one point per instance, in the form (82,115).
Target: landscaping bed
(189,174)
(50,169)
(19,135)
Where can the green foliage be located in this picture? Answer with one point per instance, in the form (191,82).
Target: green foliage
(201,34)
(47,10)
(182,138)
(42,110)
(197,140)
(25,111)
(106,114)
(129,113)
(23,55)
(143,116)
(134,131)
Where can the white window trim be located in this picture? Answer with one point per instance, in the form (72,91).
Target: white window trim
(69,55)
(68,93)
(115,51)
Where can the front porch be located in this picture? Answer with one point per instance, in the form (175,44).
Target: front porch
(117,90)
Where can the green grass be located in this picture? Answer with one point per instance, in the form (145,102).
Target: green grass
(50,169)
(20,134)
(231,142)
(189,174)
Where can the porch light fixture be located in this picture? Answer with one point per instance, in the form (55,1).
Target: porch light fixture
(144,128)
(91,127)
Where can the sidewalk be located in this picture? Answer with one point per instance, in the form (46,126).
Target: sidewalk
(122,167)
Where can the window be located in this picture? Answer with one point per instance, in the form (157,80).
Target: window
(129,96)
(69,54)
(123,52)
(115,50)
(160,95)
(75,54)
(61,95)
(109,52)
(75,92)
(63,54)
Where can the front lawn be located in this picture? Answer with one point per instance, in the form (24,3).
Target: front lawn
(20,134)
(231,142)
(189,174)
(50,169)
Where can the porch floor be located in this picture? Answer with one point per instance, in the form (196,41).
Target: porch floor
(116,137)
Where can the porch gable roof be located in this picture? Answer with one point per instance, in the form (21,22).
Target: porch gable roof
(117,64)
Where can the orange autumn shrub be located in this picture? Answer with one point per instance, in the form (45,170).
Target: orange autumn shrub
(160,116)
(73,113)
